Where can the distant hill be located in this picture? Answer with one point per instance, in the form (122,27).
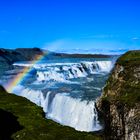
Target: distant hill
(9,56)
(75,55)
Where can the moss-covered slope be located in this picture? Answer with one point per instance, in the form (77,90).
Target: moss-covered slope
(124,82)
(27,119)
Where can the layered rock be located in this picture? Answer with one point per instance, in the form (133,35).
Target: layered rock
(120,102)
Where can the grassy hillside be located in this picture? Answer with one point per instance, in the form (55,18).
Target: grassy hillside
(131,58)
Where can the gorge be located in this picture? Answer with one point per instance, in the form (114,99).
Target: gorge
(65,105)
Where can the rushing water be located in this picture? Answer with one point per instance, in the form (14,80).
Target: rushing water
(66,89)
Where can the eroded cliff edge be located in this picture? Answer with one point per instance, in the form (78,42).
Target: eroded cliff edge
(120,101)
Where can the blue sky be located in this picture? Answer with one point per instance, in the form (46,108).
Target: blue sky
(87,26)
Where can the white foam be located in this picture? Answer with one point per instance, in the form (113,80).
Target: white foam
(102,65)
(32,95)
(73,70)
(81,115)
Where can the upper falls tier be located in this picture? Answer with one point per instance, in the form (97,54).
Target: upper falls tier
(63,71)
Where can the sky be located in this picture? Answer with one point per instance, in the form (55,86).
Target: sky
(83,26)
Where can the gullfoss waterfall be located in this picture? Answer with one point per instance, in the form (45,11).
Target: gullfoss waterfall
(66,89)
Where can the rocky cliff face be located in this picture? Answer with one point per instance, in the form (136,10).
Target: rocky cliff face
(120,102)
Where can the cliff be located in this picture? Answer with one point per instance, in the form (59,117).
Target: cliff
(120,101)
(21,119)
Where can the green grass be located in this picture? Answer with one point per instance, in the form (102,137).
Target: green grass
(35,126)
(130,58)
(130,95)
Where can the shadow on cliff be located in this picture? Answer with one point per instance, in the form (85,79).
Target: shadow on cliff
(8,125)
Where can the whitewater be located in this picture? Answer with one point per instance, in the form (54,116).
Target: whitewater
(66,90)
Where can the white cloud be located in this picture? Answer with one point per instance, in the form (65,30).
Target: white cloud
(135,38)
(90,46)
(54,46)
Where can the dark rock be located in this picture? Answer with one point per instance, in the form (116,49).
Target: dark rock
(8,125)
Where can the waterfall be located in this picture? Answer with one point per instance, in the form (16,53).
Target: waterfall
(81,115)
(64,72)
(62,108)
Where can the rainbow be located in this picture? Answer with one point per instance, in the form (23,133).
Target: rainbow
(17,79)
